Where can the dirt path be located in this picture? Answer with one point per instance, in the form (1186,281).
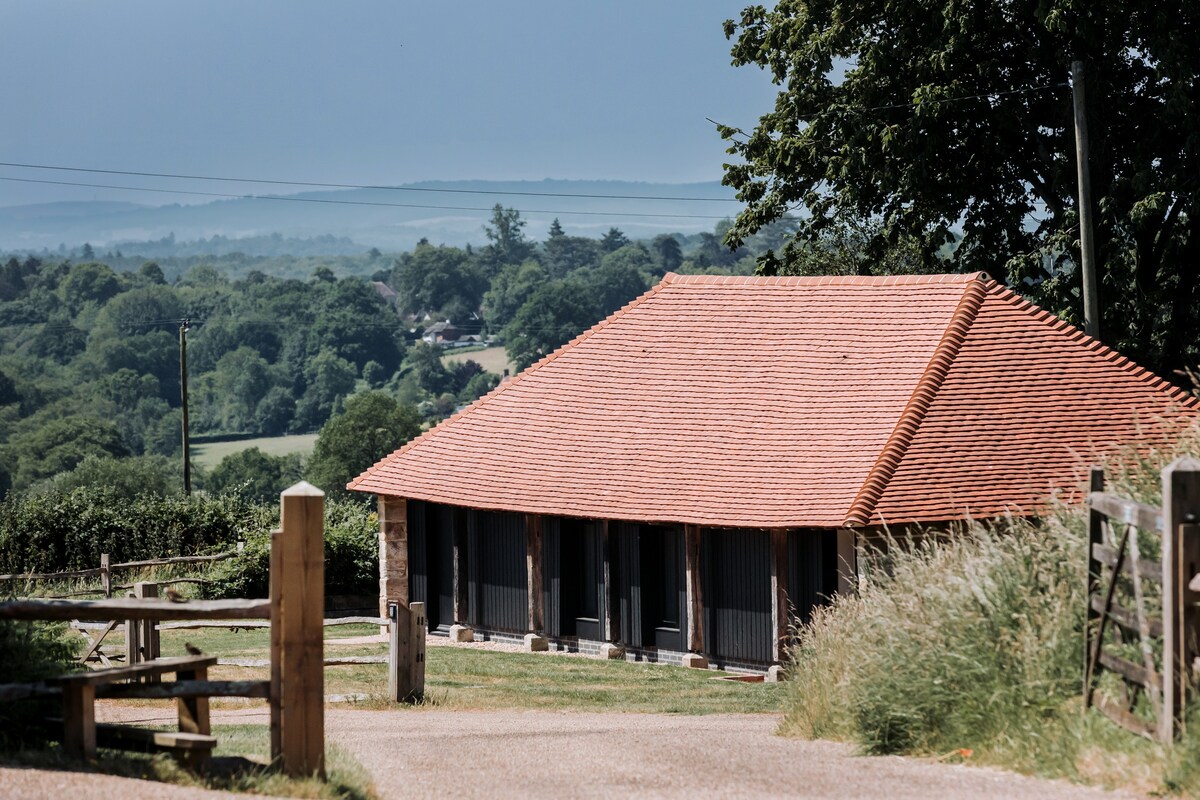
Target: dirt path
(416,753)
(18,783)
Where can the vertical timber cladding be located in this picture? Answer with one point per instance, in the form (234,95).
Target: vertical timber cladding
(498,595)
(431,566)
(736,578)
(812,570)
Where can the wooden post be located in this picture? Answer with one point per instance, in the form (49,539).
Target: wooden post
(79,719)
(275,574)
(1181,561)
(695,602)
(193,711)
(105,575)
(780,615)
(406,652)
(1095,537)
(533,568)
(458,555)
(393,552)
(847,561)
(607,547)
(148,641)
(301,622)
(133,633)
(1087,247)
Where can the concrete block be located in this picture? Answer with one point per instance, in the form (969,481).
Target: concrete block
(461,633)
(613,651)
(695,661)
(535,643)
(775,674)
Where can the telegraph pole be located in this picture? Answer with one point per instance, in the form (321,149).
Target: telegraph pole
(1087,246)
(183,396)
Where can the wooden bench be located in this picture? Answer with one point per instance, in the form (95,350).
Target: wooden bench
(194,739)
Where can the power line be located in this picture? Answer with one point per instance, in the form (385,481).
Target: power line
(294,199)
(389,188)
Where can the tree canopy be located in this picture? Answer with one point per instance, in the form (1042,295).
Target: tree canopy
(372,426)
(948,127)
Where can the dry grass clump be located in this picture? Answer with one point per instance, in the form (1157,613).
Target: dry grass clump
(972,644)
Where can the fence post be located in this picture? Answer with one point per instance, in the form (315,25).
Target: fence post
(148,633)
(1095,537)
(1181,561)
(133,632)
(105,575)
(406,652)
(299,649)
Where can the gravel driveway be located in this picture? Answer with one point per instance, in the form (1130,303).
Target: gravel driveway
(418,753)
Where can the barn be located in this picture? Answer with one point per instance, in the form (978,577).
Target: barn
(682,479)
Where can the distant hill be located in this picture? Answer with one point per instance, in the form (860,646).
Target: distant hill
(350,218)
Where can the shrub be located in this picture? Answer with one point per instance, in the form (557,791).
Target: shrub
(351,557)
(69,530)
(30,652)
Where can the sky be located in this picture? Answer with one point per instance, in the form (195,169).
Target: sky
(367,92)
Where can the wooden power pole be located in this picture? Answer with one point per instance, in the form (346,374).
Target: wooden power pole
(183,397)
(1087,245)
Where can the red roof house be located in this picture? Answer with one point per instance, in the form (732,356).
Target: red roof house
(709,441)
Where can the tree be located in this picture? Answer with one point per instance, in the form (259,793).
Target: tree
(667,250)
(613,240)
(61,444)
(442,279)
(253,475)
(510,289)
(329,379)
(372,426)
(552,316)
(948,124)
(508,242)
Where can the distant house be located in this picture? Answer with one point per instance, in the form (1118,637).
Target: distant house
(683,476)
(440,332)
(387,293)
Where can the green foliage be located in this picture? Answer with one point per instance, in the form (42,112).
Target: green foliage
(30,652)
(125,478)
(372,426)
(69,530)
(552,316)
(895,114)
(439,279)
(254,476)
(60,445)
(508,242)
(351,557)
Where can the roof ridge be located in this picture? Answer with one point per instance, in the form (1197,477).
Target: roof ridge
(937,279)
(918,403)
(513,381)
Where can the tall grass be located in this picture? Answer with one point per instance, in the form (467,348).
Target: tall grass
(972,643)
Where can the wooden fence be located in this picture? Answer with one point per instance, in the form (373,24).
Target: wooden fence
(295,610)
(106,569)
(1142,622)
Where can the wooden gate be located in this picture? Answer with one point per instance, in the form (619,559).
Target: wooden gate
(1141,612)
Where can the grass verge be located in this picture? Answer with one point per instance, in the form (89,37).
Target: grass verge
(239,765)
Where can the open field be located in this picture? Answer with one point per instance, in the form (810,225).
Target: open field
(493,359)
(209,454)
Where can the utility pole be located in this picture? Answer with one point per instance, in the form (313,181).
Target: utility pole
(183,396)
(1087,246)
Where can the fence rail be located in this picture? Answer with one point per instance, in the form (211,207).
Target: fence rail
(101,570)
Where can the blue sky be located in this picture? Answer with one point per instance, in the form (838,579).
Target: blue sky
(369,92)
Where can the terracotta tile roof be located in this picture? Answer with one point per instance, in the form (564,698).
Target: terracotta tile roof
(789,402)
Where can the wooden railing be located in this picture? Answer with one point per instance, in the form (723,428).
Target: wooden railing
(1125,589)
(106,569)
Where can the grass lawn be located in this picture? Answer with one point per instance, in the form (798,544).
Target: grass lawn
(462,677)
(493,359)
(209,454)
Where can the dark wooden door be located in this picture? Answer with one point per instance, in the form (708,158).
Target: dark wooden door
(574,578)
(812,570)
